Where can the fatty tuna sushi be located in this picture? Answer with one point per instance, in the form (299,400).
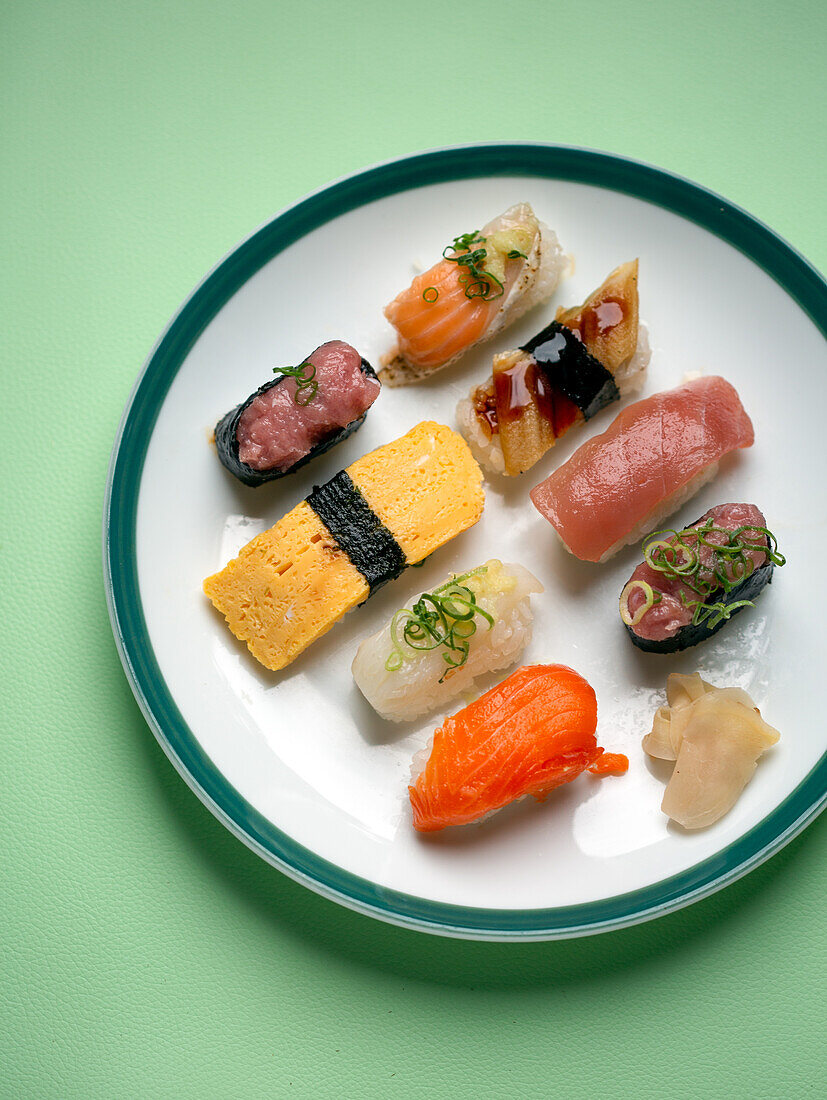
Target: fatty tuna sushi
(433,649)
(530,734)
(484,282)
(304,412)
(653,457)
(588,357)
(693,581)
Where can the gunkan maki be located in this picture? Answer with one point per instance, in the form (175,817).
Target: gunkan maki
(693,581)
(302,413)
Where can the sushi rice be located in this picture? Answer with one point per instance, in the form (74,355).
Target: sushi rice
(502,591)
(487,449)
(545,266)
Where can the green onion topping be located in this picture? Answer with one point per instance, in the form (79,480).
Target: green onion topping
(306,385)
(651,599)
(430,294)
(676,554)
(444,617)
(469,252)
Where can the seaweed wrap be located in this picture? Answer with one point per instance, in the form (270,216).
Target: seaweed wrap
(693,581)
(388,510)
(302,413)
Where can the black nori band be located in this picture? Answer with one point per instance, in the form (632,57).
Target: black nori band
(691,634)
(226,438)
(570,369)
(358,530)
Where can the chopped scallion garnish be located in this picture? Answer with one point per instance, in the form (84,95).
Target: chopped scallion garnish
(677,554)
(306,385)
(445,617)
(469,251)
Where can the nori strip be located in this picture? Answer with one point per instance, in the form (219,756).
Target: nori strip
(691,634)
(357,530)
(569,367)
(226,440)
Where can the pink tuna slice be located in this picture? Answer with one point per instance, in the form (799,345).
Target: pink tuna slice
(275,432)
(650,452)
(664,619)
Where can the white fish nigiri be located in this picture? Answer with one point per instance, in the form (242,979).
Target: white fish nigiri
(485,281)
(433,649)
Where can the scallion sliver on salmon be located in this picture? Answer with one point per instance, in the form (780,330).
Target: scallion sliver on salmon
(484,282)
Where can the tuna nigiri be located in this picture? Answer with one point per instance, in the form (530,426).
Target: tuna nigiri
(652,458)
(590,356)
(485,281)
(530,734)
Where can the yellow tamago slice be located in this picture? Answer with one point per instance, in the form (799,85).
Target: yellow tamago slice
(290,584)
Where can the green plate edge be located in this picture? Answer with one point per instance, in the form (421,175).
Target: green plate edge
(727,221)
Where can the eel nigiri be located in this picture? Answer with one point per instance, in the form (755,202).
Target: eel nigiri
(653,457)
(434,648)
(304,412)
(588,357)
(387,510)
(715,736)
(530,734)
(484,282)
(693,581)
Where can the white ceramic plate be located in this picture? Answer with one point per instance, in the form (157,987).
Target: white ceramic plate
(296,763)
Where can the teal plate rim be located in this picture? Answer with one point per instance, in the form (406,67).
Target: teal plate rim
(697,204)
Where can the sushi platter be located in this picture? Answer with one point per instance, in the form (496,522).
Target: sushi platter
(491,616)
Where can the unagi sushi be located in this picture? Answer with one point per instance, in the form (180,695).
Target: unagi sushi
(652,458)
(530,734)
(588,357)
(434,648)
(484,281)
(302,413)
(693,581)
(386,511)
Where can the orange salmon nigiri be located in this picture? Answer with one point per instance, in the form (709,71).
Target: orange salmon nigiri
(485,280)
(530,734)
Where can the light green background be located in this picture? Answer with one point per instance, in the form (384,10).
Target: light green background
(145,952)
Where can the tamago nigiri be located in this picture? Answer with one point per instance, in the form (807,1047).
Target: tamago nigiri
(485,280)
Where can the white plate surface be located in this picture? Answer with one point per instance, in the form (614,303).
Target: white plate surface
(302,746)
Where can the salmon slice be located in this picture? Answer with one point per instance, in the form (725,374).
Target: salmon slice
(654,455)
(530,734)
(432,332)
(517,263)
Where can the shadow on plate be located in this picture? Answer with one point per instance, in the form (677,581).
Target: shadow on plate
(316,924)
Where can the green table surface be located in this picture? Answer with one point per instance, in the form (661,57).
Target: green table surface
(146,952)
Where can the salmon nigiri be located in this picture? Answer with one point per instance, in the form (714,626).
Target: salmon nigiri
(485,280)
(530,734)
(654,456)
